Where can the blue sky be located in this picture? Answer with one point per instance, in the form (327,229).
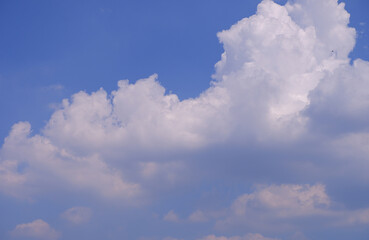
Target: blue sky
(227,129)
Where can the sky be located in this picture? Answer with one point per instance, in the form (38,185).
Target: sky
(184,120)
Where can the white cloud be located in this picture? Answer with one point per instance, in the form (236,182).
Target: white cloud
(283,208)
(77,215)
(284,200)
(358,217)
(46,165)
(171,216)
(169,172)
(198,216)
(273,207)
(37,229)
(10,180)
(329,20)
(269,63)
(138,115)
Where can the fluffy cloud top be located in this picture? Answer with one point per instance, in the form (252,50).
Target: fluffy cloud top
(37,229)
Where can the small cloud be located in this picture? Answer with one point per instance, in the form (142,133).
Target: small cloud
(57,87)
(37,229)
(106,10)
(77,215)
(198,216)
(55,106)
(357,217)
(171,217)
(288,200)
(54,87)
(149,169)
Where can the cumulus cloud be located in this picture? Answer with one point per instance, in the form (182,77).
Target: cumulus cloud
(77,215)
(284,78)
(284,208)
(358,217)
(10,180)
(44,164)
(37,229)
(171,216)
(135,115)
(273,207)
(169,172)
(198,216)
(284,101)
(275,61)
(286,200)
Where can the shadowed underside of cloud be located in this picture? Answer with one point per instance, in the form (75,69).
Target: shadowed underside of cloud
(284,79)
